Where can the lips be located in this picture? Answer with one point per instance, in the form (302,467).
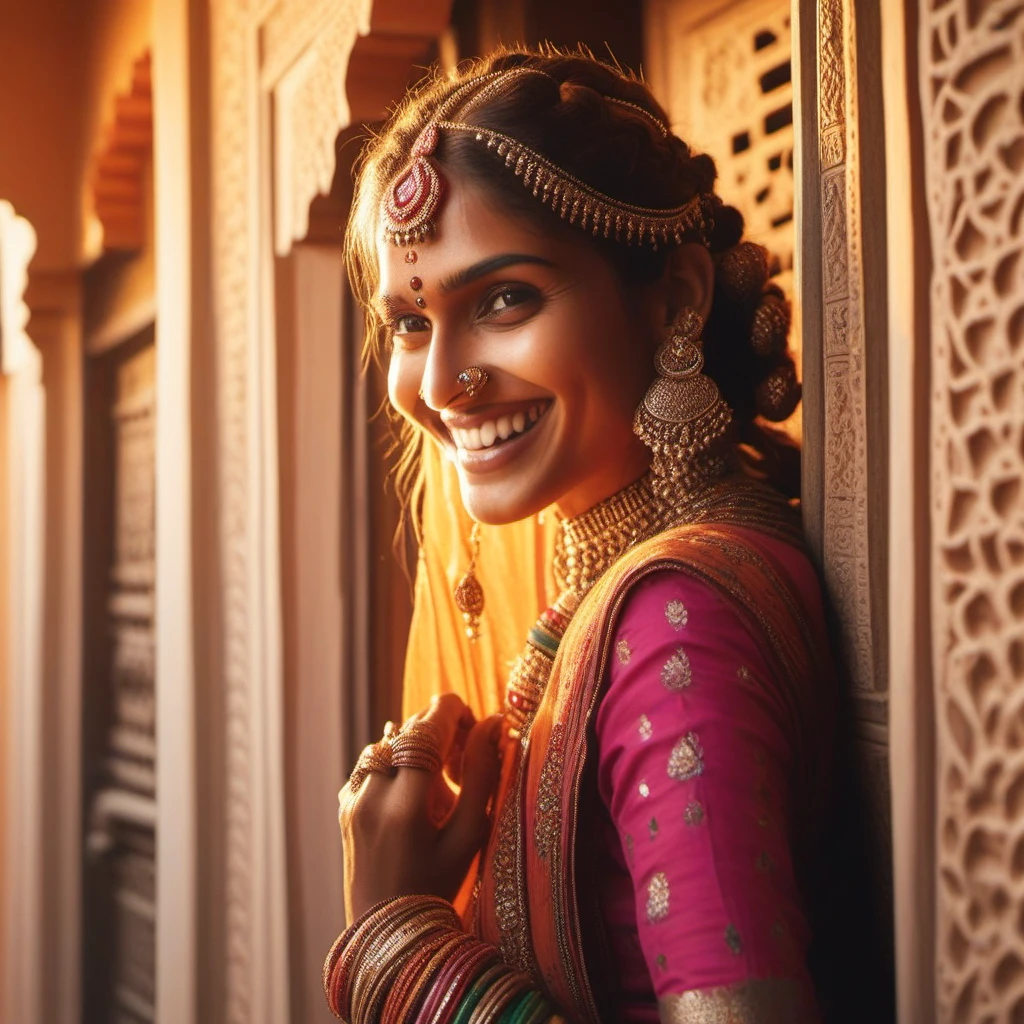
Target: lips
(493,432)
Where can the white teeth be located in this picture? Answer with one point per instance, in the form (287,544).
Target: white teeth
(474,439)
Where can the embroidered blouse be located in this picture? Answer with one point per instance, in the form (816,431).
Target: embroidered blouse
(698,896)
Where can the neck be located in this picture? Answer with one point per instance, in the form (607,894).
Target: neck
(592,541)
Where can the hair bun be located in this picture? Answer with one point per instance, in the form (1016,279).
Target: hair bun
(777,395)
(769,329)
(742,271)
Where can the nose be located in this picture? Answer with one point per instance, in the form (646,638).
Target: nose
(439,386)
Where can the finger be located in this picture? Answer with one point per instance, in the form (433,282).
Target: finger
(452,756)
(453,762)
(447,714)
(466,829)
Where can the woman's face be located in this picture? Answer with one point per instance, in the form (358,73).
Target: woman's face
(568,359)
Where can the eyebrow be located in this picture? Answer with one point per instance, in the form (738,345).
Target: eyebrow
(387,305)
(488,266)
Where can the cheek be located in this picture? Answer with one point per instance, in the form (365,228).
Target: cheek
(404,378)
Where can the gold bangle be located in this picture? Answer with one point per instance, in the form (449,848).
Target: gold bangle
(390,959)
(495,998)
(382,953)
(362,969)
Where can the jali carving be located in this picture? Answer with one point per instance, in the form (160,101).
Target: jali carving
(731,94)
(972,57)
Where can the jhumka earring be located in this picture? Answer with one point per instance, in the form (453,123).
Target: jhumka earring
(469,595)
(682,414)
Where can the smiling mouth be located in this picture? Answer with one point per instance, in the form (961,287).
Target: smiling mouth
(493,433)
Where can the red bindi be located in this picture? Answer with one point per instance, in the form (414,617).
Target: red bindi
(415,284)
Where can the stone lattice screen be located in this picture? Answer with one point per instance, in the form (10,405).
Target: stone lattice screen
(972,97)
(727,85)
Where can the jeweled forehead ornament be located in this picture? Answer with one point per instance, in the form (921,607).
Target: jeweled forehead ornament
(412,202)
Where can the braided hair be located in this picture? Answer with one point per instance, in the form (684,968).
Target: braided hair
(604,127)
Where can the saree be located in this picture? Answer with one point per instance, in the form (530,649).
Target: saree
(538,891)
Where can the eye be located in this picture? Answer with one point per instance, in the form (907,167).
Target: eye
(410,323)
(508,297)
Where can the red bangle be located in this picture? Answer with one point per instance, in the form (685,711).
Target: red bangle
(418,976)
(486,959)
(463,965)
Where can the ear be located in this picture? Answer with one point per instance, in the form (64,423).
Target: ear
(689,281)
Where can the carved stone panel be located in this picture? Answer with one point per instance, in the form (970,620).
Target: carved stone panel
(846,543)
(972,81)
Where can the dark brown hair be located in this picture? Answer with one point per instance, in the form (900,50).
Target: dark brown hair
(620,148)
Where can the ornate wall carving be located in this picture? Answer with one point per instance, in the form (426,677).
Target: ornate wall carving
(846,478)
(117,179)
(972,81)
(306,62)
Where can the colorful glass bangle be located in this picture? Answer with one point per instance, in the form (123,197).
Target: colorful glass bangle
(503,990)
(476,992)
(521,1007)
(380,931)
(339,959)
(409,1010)
(369,957)
(387,962)
(412,972)
(457,978)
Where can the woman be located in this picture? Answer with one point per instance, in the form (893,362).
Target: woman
(571,321)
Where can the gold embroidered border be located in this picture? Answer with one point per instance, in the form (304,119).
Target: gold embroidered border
(510,910)
(547,826)
(760,1001)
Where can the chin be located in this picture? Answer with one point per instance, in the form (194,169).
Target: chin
(499,503)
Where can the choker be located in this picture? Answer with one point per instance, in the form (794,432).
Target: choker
(591,542)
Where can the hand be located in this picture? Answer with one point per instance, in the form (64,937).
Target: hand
(411,832)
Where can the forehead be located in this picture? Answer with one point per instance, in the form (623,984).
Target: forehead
(470,227)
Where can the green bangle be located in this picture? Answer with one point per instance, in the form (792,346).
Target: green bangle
(475,994)
(519,1009)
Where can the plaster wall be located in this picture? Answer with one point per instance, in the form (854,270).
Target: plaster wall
(42,132)
(62,62)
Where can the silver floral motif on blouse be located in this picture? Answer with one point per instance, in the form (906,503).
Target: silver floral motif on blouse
(687,759)
(657,897)
(676,614)
(676,673)
(623,651)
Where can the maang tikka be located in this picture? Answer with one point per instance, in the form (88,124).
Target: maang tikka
(683,414)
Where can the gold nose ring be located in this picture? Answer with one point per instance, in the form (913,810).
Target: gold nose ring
(473,379)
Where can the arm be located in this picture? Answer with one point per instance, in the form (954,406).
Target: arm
(694,754)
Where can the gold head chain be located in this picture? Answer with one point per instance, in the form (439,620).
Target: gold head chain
(412,202)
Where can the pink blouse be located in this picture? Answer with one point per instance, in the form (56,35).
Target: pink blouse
(696,773)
